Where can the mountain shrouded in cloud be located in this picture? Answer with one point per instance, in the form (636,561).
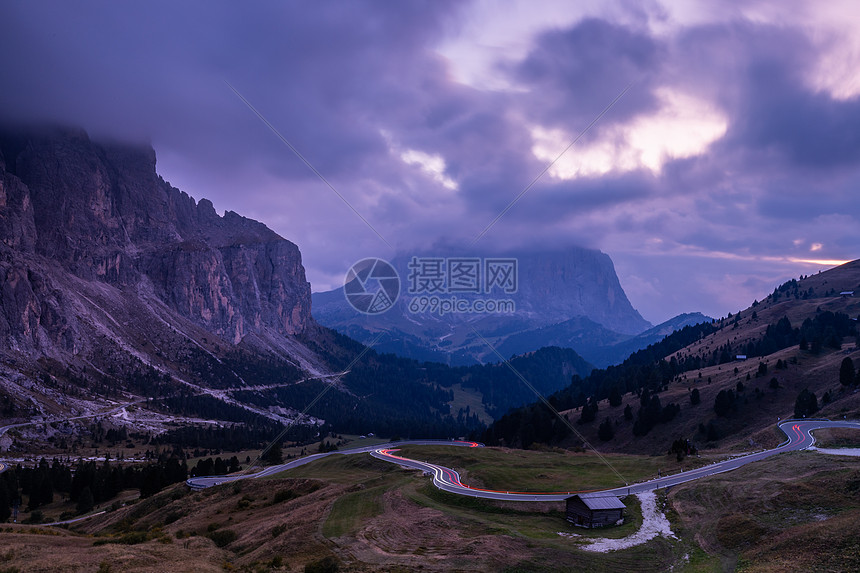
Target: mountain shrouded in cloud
(576,291)
(730,164)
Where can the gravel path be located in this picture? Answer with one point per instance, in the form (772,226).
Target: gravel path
(839,451)
(654,523)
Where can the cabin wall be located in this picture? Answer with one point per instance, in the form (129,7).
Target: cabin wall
(581,516)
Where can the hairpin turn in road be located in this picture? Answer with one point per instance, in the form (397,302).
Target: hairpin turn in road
(798,434)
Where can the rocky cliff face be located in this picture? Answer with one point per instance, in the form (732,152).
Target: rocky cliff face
(100,213)
(557,286)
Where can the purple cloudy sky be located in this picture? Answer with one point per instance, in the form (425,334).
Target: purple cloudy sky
(730,165)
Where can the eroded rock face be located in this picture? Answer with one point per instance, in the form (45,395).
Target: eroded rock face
(99,213)
(17,226)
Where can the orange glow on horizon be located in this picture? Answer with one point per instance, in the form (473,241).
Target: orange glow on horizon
(826,262)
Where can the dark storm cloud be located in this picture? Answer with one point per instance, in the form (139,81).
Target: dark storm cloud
(579,70)
(558,200)
(773,187)
(811,129)
(773,109)
(332,77)
(491,158)
(160,71)
(772,105)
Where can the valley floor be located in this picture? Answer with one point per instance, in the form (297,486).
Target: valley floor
(363,514)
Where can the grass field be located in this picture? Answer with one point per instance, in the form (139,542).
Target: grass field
(401,512)
(370,479)
(536,521)
(374,516)
(355,441)
(349,469)
(837,438)
(351,510)
(540,526)
(794,512)
(797,511)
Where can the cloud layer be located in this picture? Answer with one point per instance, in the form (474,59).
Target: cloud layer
(731,163)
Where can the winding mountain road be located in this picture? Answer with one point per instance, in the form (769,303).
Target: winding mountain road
(112,410)
(798,433)
(4,429)
(204,482)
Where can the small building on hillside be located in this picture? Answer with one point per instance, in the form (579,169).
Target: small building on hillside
(740,357)
(594,511)
(846,293)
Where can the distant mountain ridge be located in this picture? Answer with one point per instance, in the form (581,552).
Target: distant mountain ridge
(552,286)
(570,298)
(718,383)
(595,343)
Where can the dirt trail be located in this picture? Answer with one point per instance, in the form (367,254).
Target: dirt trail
(654,523)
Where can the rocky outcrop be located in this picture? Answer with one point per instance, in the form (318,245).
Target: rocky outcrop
(101,214)
(17,225)
(559,285)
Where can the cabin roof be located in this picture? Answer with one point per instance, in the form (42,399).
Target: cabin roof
(601,502)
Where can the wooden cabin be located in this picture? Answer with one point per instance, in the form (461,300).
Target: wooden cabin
(594,511)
